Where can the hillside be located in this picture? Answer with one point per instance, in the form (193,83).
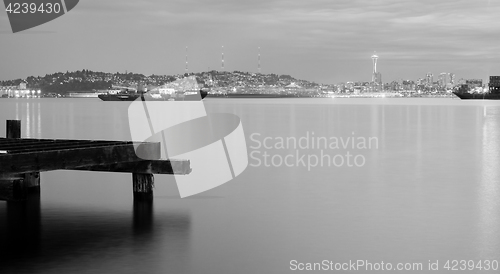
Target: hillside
(87,80)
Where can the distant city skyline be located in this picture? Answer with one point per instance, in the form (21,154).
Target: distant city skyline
(319,40)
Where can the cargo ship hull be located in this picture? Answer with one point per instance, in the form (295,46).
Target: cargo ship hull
(117,97)
(147,97)
(247,95)
(478,96)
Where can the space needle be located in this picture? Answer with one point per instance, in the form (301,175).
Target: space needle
(374,74)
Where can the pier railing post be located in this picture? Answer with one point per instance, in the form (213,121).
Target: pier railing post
(142,185)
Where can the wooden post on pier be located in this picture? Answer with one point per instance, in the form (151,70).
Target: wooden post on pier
(12,186)
(142,185)
(13,128)
(31,180)
(22,183)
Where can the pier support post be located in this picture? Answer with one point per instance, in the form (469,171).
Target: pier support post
(12,189)
(20,233)
(32,182)
(142,185)
(15,188)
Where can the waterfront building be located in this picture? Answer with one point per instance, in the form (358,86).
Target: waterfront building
(394,85)
(408,85)
(349,87)
(474,83)
(20,90)
(494,84)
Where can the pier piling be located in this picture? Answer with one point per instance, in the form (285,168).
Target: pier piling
(32,179)
(142,185)
(32,182)
(13,188)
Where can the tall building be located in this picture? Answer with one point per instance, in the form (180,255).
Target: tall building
(429,79)
(494,84)
(444,79)
(377,78)
(374,59)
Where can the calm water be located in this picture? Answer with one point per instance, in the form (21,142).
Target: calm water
(428,190)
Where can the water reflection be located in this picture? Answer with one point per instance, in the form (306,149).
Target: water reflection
(29,112)
(17,110)
(39,122)
(20,231)
(418,151)
(28,120)
(36,240)
(489,189)
(143,217)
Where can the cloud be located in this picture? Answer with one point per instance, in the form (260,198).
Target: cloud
(343,32)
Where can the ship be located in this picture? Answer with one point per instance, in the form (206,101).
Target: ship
(492,94)
(186,89)
(478,96)
(132,96)
(253,95)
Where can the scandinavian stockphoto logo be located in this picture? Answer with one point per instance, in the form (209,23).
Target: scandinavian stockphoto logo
(26,14)
(214,143)
(311,150)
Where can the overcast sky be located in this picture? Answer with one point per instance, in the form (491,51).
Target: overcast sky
(326,41)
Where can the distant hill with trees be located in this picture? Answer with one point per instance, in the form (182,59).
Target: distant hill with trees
(87,80)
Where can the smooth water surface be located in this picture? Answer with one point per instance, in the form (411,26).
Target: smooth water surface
(428,189)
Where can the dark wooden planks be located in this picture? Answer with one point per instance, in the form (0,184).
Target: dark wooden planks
(73,157)
(178,167)
(27,145)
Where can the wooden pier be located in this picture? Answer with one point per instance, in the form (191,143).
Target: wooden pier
(22,160)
